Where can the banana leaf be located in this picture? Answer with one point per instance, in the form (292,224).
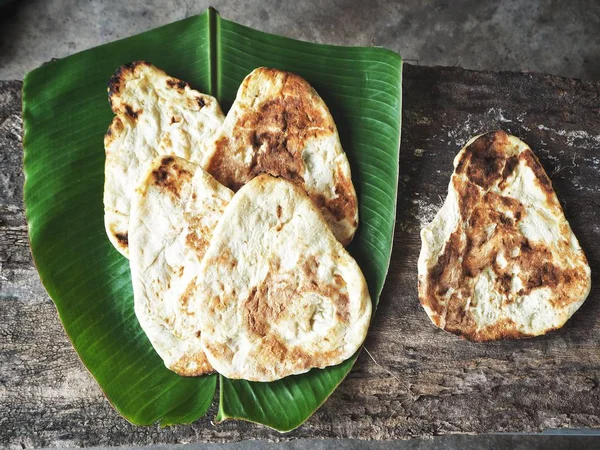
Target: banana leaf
(66,114)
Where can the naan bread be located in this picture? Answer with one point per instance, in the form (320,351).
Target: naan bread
(173,213)
(279,125)
(155,115)
(499,260)
(277,293)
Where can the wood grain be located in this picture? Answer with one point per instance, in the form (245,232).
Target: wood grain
(425,381)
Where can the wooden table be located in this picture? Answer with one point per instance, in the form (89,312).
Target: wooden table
(424,381)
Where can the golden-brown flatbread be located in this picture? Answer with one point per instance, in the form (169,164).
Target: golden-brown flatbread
(279,125)
(277,293)
(174,210)
(499,260)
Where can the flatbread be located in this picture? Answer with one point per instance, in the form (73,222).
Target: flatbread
(279,125)
(277,293)
(155,115)
(499,260)
(173,213)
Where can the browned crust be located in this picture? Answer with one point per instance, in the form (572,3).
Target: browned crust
(131,113)
(219,349)
(342,205)
(115,129)
(502,330)
(277,130)
(187,294)
(267,303)
(335,291)
(170,176)
(181,367)
(174,83)
(279,127)
(485,163)
(123,239)
(541,178)
(117,81)
(196,238)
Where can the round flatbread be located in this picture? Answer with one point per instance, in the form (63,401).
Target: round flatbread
(155,115)
(277,293)
(499,260)
(279,125)
(173,213)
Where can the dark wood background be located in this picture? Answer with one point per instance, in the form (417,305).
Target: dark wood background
(424,381)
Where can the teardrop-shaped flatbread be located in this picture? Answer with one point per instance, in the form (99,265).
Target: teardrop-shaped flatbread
(174,210)
(277,293)
(499,260)
(279,125)
(155,115)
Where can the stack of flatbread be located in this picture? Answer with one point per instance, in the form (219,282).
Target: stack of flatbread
(235,226)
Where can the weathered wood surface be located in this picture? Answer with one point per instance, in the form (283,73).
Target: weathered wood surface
(426,382)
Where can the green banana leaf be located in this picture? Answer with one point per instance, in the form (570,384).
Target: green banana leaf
(66,114)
